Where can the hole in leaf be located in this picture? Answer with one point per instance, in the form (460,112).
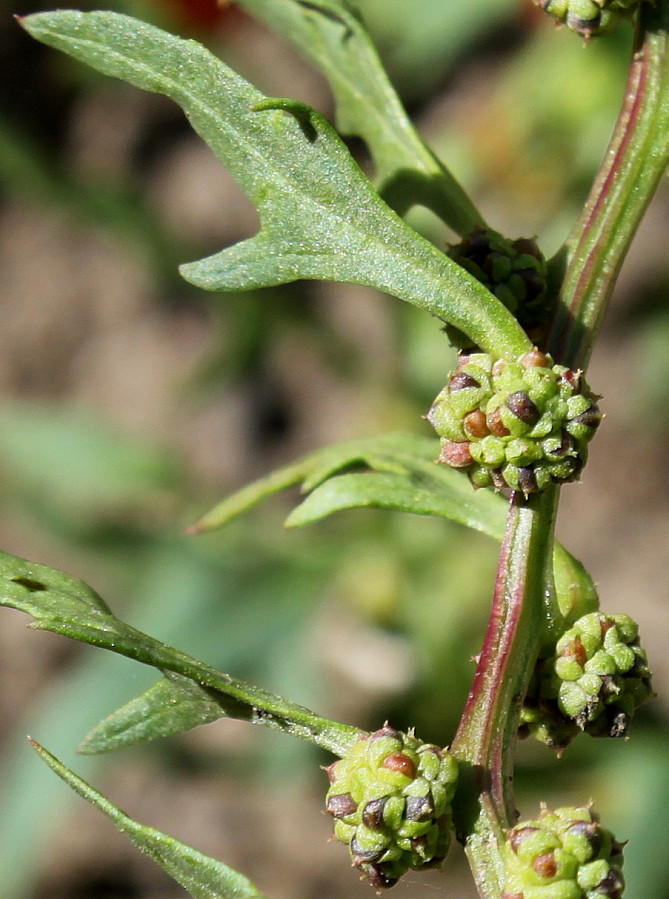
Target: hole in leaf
(29,584)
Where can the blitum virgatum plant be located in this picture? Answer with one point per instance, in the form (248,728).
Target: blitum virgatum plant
(516,416)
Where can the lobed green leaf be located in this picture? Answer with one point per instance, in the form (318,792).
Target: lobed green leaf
(203,877)
(320,217)
(65,605)
(331,35)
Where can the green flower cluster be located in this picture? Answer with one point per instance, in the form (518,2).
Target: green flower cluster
(522,424)
(564,854)
(390,797)
(588,17)
(514,271)
(595,681)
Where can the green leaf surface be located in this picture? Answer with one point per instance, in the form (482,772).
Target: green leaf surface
(399,474)
(393,453)
(332,37)
(172,705)
(65,605)
(320,217)
(423,490)
(201,876)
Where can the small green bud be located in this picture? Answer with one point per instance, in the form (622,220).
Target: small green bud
(614,668)
(514,271)
(520,424)
(564,854)
(594,681)
(588,17)
(390,797)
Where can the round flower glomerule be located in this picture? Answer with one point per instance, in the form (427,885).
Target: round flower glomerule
(390,796)
(514,271)
(522,424)
(599,675)
(564,854)
(588,17)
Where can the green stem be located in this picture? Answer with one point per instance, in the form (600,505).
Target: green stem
(635,161)
(486,736)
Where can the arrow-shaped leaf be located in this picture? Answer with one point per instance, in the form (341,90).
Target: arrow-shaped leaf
(320,217)
(65,605)
(332,37)
(203,877)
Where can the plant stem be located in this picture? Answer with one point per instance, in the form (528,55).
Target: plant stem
(635,161)
(486,736)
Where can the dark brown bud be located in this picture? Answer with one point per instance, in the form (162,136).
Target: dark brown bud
(591,418)
(462,360)
(545,865)
(419,808)
(375,875)
(605,624)
(591,831)
(419,844)
(566,447)
(460,380)
(456,455)
(372,814)
(498,481)
(401,763)
(385,731)
(475,425)
(527,483)
(534,359)
(611,885)
(522,407)
(360,856)
(340,806)
(576,650)
(496,425)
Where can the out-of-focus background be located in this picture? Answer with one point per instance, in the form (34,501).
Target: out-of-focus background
(130,403)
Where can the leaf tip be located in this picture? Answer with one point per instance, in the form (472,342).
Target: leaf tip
(190,271)
(29,23)
(39,749)
(203,525)
(89,747)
